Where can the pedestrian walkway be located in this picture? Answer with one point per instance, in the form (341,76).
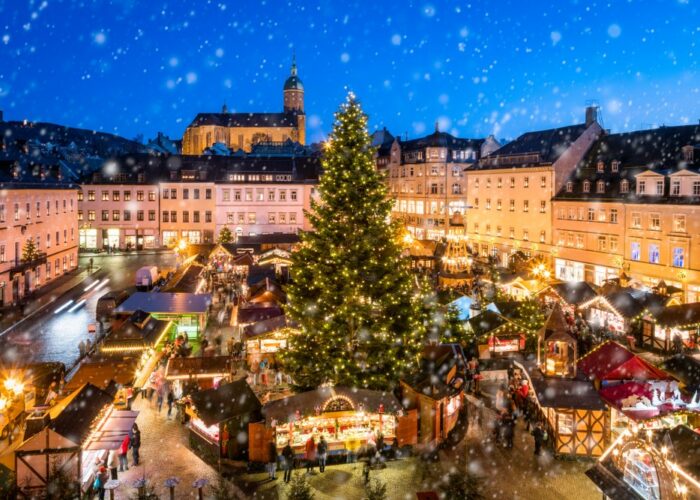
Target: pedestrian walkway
(45,296)
(164,453)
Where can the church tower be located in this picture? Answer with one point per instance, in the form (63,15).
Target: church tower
(293,91)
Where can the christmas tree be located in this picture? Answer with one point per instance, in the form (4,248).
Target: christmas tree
(225,236)
(29,252)
(359,310)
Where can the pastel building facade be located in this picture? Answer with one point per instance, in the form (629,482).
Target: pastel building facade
(427,179)
(643,189)
(509,193)
(36,204)
(118,208)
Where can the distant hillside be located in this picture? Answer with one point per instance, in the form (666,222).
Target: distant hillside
(85,142)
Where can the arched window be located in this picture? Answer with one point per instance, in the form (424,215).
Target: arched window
(586,186)
(569,187)
(624,186)
(600,187)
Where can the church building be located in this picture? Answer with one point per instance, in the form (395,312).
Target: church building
(243,130)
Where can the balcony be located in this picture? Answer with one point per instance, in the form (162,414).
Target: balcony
(20,266)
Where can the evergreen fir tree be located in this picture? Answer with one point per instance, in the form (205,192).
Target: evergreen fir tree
(29,252)
(352,292)
(225,236)
(299,488)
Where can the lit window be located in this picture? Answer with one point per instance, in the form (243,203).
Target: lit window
(600,167)
(635,251)
(678,257)
(654,253)
(654,221)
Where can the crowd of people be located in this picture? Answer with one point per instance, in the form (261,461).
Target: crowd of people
(516,400)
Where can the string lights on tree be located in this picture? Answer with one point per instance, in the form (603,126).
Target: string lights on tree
(352,294)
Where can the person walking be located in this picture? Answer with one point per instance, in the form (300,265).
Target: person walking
(123,451)
(272,461)
(288,461)
(101,478)
(509,429)
(540,435)
(322,453)
(159,399)
(135,443)
(171,401)
(310,454)
(112,464)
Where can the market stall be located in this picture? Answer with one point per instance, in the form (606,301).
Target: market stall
(187,311)
(496,335)
(264,339)
(82,427)
(569,295)
(219,419)
(436,391)
(346,417)
(575,415)
(207,371)
(674,328)
(557,346)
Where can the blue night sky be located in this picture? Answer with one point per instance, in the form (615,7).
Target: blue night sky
(501,67)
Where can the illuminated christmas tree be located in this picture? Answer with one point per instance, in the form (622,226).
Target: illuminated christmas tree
(352,293)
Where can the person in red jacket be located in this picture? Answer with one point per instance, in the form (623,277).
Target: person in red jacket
(310,449)
(123,450)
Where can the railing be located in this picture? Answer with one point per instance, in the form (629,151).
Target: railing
(20,266)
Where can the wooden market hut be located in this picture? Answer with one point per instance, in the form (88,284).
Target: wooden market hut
(347,417)
(575,415)
(618,308)
(206,370)
(569,294)
(436,392)
(682,321)
(664,464)
(557,346)
(135,334)
(81,427)
(188,311)
(219,421)
(264,339)
(496,335)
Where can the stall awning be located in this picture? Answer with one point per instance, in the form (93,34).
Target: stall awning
(111,430)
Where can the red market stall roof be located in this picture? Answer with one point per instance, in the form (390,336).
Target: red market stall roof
(611,361)
(615,395)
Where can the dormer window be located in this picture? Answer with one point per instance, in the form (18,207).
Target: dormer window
(675,187)
(688,153)
(615,166)
(600,167)
(569,187)
(600,187)
(659,188)
(641,187)
(586,186)
(625,186)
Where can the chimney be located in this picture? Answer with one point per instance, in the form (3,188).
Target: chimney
(591,115)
